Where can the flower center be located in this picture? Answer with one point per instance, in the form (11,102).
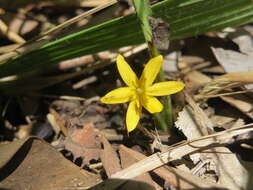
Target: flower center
(139,91)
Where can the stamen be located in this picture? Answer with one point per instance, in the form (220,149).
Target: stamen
(139,90)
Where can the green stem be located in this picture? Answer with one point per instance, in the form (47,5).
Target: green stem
(165,118)
(143,10)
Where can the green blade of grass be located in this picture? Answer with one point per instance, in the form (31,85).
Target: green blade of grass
(185,17)
(143,11)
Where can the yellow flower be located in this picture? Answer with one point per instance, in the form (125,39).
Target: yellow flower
(140,92)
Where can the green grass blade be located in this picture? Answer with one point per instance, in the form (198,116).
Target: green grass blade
(143,11)
(185,17)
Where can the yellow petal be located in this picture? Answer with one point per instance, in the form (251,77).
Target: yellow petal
(120,95)
(150,71)
(151,104)
(126,73)
(164,88)
(133,116)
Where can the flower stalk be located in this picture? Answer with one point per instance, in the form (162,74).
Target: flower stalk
(141,92)
(165,118)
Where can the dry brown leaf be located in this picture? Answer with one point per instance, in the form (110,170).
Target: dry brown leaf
(238,65)
(186,123)
(244,39)
(83,143)
(128,159)
(121,184)
(175,177)
(57,122)
(176,152)
(223,121)
(192,116)
(222,160)
(194,123)
(109,158)
(233,174)
(34,164)
(8,151)
(241,102)
(195,80)
(233,61)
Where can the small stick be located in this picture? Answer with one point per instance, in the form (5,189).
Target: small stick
(78,18)
(185,148)
(9,34)
(58,97)
(199,97)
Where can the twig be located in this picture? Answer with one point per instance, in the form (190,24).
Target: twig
(175,177)
(199,97)
(78,18)
(58,97)
(10,34)
(8,48)
(185,148)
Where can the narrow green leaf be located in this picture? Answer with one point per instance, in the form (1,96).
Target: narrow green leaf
(144,11)
(185,17)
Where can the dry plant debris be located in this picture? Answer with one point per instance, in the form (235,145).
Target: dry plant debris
(63,137)
(109,158)
(83,143)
